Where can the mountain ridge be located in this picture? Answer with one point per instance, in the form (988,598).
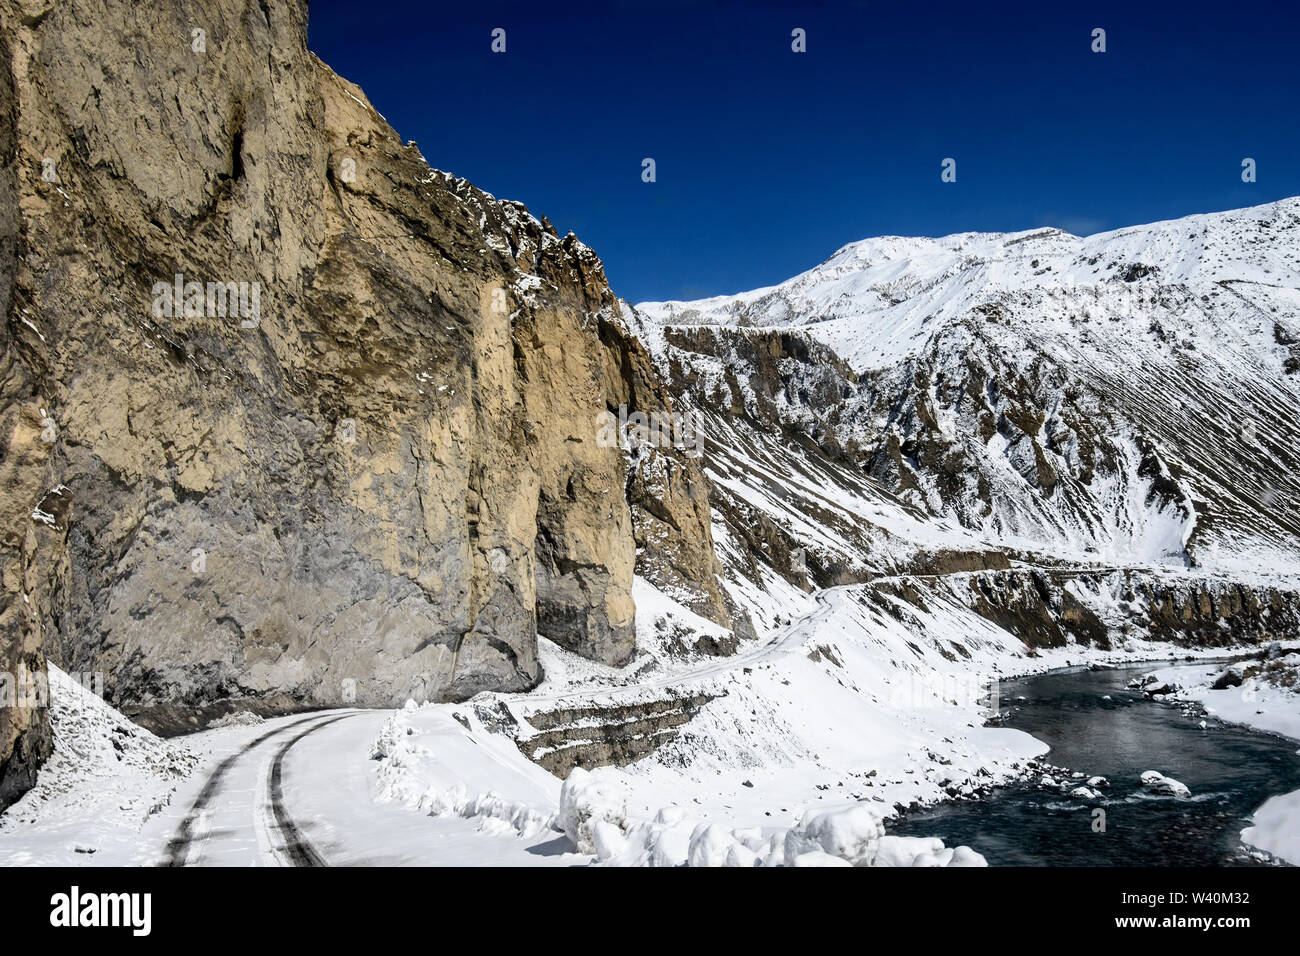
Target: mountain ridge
(1131,395)
(979,247)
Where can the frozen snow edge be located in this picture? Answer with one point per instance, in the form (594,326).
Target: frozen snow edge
(1264,707)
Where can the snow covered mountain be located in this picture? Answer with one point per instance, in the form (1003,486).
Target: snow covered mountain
(1127,398)
(920,467)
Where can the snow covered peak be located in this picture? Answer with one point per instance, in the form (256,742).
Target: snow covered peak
(877,300)
(1130,395)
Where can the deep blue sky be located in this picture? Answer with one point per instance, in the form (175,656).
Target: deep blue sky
(768,160)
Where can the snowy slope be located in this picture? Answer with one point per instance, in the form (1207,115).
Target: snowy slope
(1129,397)
(865,700)
(876,301)
(106,778)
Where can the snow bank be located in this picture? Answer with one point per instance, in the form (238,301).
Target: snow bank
(104,780)
(1276,828)
(593,812)
(590,798)
(491,811)
(853,835)
(1260,694)
(415,774)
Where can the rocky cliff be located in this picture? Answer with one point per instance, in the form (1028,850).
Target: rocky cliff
(324,420)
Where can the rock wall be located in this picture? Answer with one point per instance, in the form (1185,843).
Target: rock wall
(359,459)
(30,551)
(1053,608)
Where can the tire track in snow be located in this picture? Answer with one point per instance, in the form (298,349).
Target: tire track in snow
(186,847)
(295,846)
(187,842)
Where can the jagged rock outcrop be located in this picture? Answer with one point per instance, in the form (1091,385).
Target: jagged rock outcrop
(1053,608)
(327,418)
(596,735)
(782,369)
(792,496)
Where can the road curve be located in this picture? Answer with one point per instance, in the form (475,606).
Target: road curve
(250,801)
(293,844)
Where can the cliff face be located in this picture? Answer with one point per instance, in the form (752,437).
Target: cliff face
(326,418)
(29,551)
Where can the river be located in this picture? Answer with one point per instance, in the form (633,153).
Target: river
(1096,725)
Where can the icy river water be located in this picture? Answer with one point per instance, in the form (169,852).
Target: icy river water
(1230,770)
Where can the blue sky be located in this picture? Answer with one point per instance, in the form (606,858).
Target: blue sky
(768,160)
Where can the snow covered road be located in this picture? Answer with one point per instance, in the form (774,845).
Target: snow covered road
(303,791)
(300,791)
(238,816)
